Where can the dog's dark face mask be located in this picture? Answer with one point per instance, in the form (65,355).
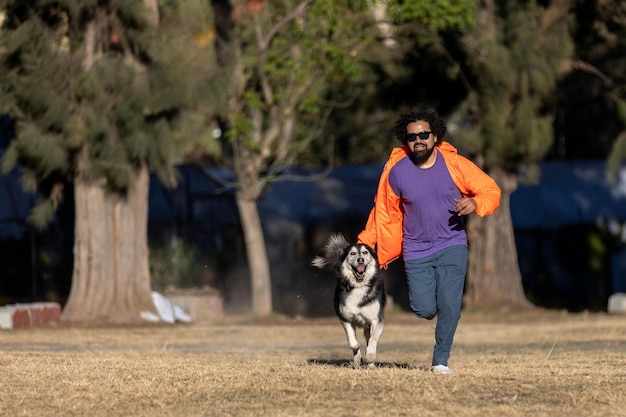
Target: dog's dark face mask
(359,257)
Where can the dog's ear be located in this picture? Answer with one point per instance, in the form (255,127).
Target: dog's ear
(372,250)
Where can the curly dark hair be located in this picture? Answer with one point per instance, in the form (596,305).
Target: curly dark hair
(437,125)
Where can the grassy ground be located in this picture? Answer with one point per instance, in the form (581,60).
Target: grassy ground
(530,364)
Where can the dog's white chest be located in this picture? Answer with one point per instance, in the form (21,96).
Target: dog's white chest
(351,306)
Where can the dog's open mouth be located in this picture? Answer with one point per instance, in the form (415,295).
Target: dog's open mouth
(359,270)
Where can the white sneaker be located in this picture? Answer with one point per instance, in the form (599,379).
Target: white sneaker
(441,369)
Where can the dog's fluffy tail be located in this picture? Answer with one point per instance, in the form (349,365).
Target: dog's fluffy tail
(332,251)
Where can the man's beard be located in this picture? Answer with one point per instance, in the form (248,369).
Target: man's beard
(420,157)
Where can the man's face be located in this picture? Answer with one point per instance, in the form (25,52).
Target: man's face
(421,149)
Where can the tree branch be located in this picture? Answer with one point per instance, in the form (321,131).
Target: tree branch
(263,42)
(571,65)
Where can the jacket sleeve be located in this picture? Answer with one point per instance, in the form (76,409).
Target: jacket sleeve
(368,235)
(383,230)
(386,206)
(480,186)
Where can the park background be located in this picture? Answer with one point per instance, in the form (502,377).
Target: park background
(532,91)
(571,248)
(174,123)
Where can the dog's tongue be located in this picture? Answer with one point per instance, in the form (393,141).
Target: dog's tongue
(360,268)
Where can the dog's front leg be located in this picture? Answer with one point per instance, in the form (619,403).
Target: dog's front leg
(372,335)
(353,342)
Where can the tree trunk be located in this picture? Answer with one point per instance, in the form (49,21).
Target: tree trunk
(257,256)
(111,276)
(493,275)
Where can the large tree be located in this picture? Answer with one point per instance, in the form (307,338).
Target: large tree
(515,55)
(593,95)
(95,89)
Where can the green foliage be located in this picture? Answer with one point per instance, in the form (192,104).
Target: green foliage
(104,111)
(589,97)
(515,60)
(187,72)
(597,252)
(404,68)
(43,211)
(310,59)
(320,62)
(173,265)
(436,14)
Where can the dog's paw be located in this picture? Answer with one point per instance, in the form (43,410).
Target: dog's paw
(356,360)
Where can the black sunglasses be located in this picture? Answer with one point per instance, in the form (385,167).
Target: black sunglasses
(412,137)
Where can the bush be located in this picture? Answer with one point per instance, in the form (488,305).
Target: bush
(172,265)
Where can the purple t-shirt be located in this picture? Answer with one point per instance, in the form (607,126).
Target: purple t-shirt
(426,198)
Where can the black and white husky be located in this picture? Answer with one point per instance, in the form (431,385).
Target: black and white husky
(359,295)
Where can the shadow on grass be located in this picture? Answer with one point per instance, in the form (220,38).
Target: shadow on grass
(347,363)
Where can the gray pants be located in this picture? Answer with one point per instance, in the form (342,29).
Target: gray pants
(436,289)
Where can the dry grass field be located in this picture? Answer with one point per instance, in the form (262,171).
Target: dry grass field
(526,364)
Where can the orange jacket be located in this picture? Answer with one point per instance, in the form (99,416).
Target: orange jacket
(383,229)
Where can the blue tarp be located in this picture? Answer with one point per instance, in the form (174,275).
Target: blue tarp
(567,193)
(313,197)
(570,193)
(15,206)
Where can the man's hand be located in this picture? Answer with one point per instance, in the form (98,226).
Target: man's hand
(465,206)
